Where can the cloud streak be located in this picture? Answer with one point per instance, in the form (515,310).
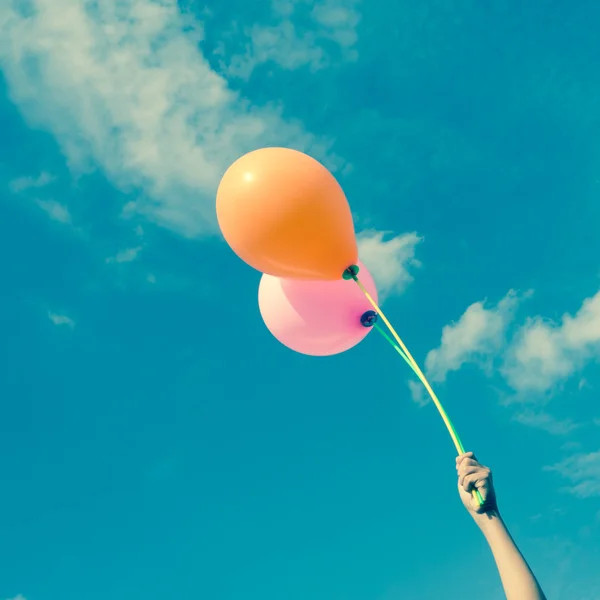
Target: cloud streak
(61,320)
(56,211)
(23,184)
(126,90)
(543,354)
(418,393)
(540,356)
(583,471)
(390,259)
(543,420)
(477,336)
(125,256)
(298,37)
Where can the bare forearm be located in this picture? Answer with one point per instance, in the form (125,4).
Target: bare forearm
(518,580)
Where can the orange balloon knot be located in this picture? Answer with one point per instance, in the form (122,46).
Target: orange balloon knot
(351,272)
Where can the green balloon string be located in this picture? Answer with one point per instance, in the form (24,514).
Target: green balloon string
(351,273)
(395,346)
(410,364)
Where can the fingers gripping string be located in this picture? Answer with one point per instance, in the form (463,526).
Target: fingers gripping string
(351,273)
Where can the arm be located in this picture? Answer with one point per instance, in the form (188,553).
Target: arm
(518,580)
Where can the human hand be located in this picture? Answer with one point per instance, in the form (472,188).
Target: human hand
(472,475)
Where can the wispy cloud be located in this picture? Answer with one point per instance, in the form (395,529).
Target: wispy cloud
(544,354)
(570,446)
(125,256)
(61,320)
(23,184)
(389,258)
(477,336)
(550,514)
(583,471)
(125,89)
(418,393)
(18,597)
(56,211)
(538,357)
(541,419)
(299,37)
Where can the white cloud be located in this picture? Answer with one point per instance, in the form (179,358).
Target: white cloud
(418,392)
(570,446)
(583,384)
(477,336)
(389,259)
(544,354)
(61,320)
(18,597)
(583,471)
(330,32)
(26,183)
(56,211)
(123,88)
(539,357)
(125,256)
(543,420)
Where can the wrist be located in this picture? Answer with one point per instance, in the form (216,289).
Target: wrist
(488,521)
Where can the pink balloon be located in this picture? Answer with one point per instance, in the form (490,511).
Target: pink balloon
(318,318)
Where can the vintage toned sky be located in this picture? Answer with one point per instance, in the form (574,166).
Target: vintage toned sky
(155,440)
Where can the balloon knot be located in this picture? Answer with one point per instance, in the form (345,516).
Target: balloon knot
(369,318)
(351,272)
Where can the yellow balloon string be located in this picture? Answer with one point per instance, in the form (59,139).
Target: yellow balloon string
(457,443)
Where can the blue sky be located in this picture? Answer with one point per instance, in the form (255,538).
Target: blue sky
(155,440)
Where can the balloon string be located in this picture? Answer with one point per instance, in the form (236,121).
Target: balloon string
(394,346)
(404,352)
(406,359)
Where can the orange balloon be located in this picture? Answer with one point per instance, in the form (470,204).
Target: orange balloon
(285,214)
